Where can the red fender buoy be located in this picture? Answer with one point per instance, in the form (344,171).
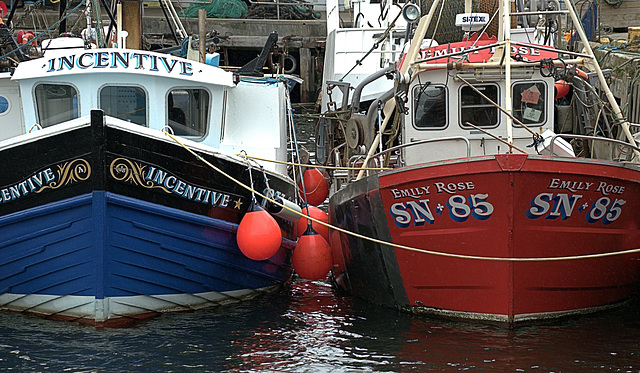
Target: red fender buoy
(258,235)
(582,74)
(561,88)
(311,257)
(318,214)
(315,186)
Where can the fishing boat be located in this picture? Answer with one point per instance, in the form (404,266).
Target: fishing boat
(355,49)
(126,179)
(497,180)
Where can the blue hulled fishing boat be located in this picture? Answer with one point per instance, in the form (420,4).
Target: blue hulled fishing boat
(122,187)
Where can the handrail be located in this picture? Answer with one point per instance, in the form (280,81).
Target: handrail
(357,93)
(374,157)
(588,137)
(353,160)
(420,142)
(535,13)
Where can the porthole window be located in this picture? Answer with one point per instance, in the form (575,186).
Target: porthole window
(4,105)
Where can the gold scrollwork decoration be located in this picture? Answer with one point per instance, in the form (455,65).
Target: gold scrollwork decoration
(122,169)
(69,172)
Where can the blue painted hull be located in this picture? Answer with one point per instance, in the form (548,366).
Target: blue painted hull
(108,259)
(105,226)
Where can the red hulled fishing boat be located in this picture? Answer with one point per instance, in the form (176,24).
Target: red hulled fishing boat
(498,180)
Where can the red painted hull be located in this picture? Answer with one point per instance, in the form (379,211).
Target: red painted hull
(507,206)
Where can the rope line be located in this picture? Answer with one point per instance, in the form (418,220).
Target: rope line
(315,165)
(408,248)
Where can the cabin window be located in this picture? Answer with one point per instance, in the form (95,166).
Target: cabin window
(529,102)
(4,105)
(56,103)
(475,109)
(125,102)
(188,111)
(430,106)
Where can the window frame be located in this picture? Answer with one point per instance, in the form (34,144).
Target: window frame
(543,95)
(497,101)
(38,106)
(206,119)
(125,85)
(415,107)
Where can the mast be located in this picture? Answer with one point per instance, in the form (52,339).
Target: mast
(506,29)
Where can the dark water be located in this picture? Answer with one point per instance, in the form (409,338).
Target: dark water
(307,327)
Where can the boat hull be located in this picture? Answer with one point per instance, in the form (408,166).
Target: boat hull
(463,215)
(120,226)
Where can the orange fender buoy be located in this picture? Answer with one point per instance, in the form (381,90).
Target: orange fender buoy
(311,257)
(316,187)
(259,236)
(561,88)
(318,214)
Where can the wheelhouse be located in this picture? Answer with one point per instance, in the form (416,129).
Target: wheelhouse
(461,104)
(146,90)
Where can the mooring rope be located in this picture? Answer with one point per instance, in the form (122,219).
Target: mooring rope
(316,165)
(403,247)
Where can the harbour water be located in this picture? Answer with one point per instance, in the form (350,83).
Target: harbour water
(307,327)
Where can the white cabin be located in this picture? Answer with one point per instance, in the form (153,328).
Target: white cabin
(195,101)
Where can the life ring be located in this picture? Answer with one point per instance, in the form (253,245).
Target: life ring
(290,60)
(28,37)
(23,37)
(3,10)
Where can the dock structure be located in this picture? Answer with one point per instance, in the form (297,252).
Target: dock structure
(619,14)
(238,40)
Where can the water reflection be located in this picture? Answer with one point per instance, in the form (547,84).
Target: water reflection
(321,331)
(309,328)
(309,335)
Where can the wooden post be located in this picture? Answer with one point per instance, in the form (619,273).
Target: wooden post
(132,22)
(306,72)
(202,34)
(119,26)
